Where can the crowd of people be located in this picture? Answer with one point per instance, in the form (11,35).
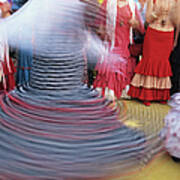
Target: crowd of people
(149,77)
(152,76)
(156,74)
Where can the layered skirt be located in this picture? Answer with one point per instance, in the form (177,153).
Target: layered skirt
(151,81)
(114,72)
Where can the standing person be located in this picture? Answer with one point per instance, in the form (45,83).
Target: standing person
(171,131)
(7,69)
(175,65)
(152,75)
(115,70)
(175,55)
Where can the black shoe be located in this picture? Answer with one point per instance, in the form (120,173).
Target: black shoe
(175,159)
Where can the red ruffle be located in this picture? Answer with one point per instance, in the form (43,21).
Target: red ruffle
(145,94)
(9,81)
(114,73)
(156,51)
(157,68)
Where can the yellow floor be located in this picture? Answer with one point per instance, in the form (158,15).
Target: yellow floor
(150,119)
(162,168)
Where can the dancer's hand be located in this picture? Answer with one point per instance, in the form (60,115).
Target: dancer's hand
(134,23)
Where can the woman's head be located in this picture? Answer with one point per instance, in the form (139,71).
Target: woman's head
(5,7)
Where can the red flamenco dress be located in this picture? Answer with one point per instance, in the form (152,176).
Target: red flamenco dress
(116,69)
(152,79)
(7,69)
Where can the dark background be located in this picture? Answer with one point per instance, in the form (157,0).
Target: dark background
(16,4)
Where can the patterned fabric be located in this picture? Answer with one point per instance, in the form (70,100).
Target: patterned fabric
(171,132)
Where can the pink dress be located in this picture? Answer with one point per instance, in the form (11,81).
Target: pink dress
(117,68)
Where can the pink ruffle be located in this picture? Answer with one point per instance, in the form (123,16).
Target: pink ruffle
(114,72)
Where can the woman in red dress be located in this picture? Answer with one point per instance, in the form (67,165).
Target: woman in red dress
(115,69)
(152,75)
(7,69)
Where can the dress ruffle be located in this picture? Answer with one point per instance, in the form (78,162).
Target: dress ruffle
(145,94)
(112,73)
(151,82)
(153,65)
(156,51)
(157,68)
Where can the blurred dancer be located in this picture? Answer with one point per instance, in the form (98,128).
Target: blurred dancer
(92,7)
(116,68)
(152,79)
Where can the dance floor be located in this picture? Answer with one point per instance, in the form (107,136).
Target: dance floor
(150,119)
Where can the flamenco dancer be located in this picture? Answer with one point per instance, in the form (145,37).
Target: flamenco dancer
(55,127)
(116,68)
(152,75)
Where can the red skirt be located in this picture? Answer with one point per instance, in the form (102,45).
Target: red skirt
(154,63)
(114,72)
(156,51)
(146,94)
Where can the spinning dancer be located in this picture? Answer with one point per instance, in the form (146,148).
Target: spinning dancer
(55,127)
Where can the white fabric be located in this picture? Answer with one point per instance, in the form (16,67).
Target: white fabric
(2,1)
(132,7)
(4,48)
(171,131)
(111,10)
